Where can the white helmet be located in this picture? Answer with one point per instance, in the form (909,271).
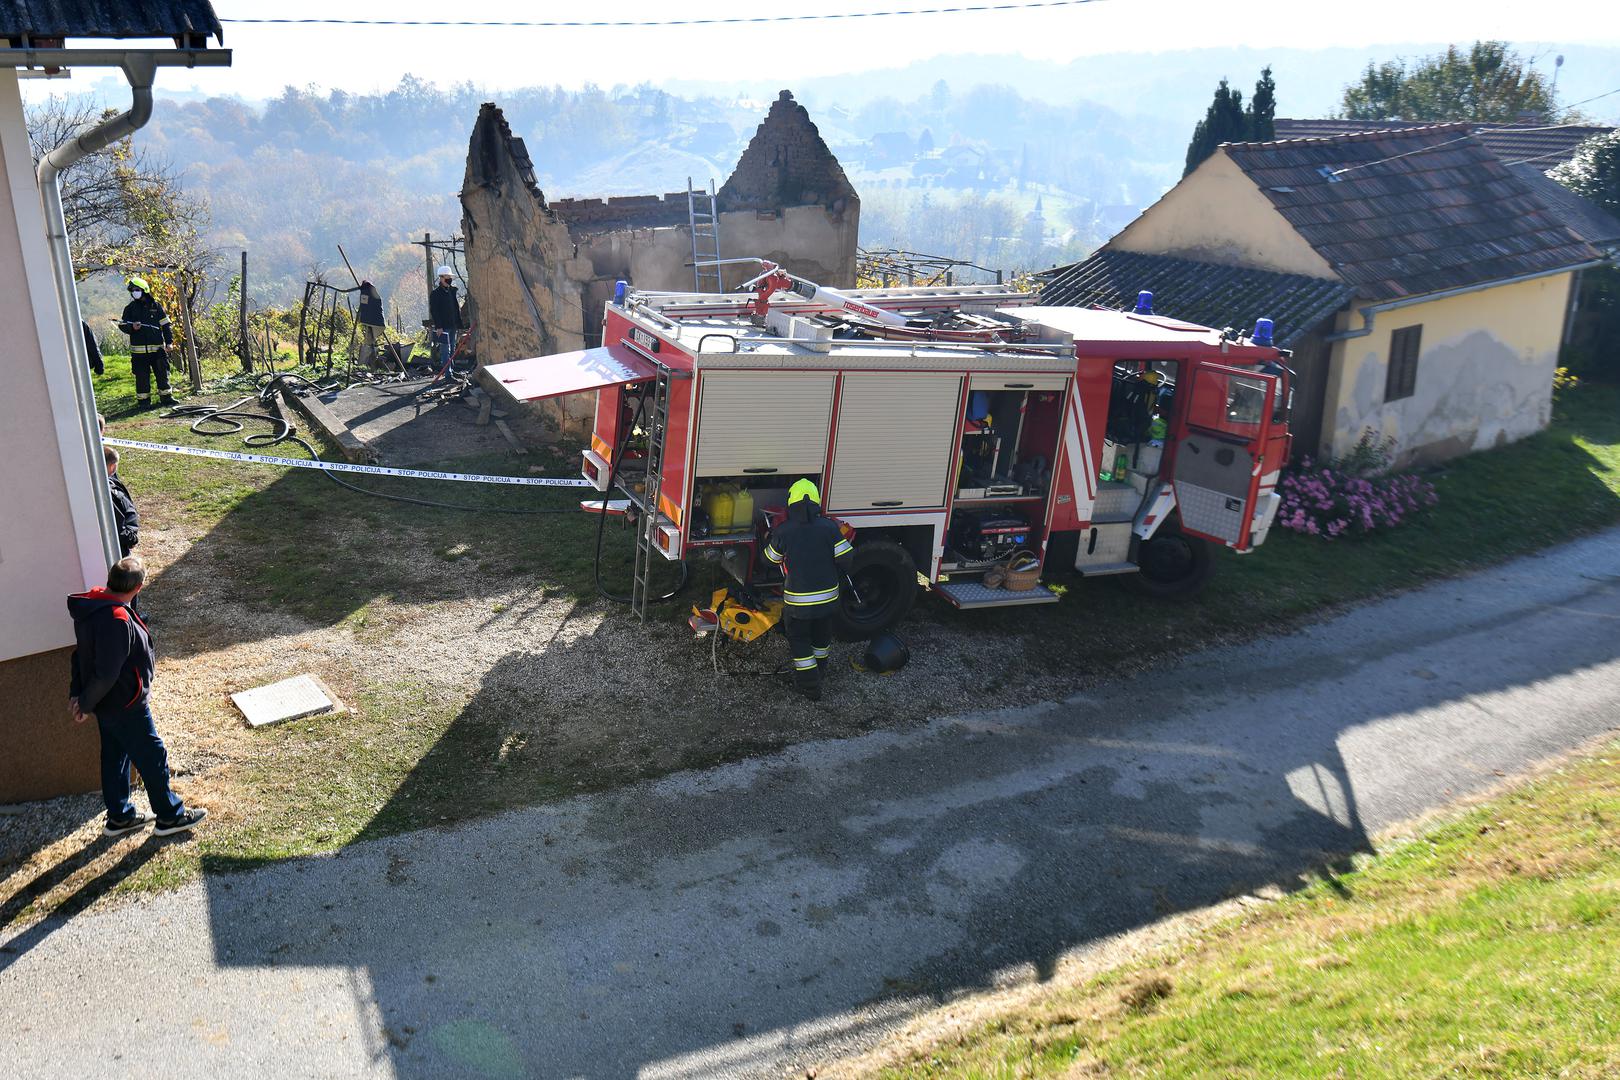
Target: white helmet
(444,271)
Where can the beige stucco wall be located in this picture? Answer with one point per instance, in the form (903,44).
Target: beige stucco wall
(50,536)
(1217,214)
(50,543)
(1485,368)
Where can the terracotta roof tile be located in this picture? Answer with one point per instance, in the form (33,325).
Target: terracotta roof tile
(1198,292)
(1546,144)
(108,18)
(1410,211)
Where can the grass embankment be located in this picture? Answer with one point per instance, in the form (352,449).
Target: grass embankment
(1489,946)
(282,543)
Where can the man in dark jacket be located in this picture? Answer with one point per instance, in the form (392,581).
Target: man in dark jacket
(150,337)
(112,682)
(124,512)
(444,313)
(368,322)
(814,556)
(92,348)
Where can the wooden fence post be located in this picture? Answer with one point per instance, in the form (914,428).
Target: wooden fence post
(192,363)
(242,324)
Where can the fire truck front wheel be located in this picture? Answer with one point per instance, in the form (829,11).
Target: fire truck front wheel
(884,581)
(1172,564)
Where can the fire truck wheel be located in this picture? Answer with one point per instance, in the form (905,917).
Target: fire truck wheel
(885,579)
(1173,564)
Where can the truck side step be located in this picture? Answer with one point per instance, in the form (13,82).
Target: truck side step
(971,594)
(1104,569)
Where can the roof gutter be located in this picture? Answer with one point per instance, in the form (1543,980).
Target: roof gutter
(140,68)
(140,72)
(1369,313)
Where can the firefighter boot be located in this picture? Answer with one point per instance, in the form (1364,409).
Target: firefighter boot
(167,399)
(807,681)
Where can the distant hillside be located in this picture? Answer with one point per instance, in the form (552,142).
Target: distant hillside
(1009,163)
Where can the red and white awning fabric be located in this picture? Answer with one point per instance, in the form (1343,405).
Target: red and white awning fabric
(581,372)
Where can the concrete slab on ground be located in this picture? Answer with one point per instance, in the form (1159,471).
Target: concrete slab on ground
(400,430)
(289,699)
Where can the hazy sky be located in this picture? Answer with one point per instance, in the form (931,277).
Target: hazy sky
(369,58)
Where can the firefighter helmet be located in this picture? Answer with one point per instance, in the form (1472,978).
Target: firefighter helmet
(445,271)
(803,489)
(138,283)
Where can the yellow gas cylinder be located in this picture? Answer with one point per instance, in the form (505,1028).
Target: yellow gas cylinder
(719,504)
(742,510)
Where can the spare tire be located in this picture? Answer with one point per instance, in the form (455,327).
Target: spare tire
(885,581)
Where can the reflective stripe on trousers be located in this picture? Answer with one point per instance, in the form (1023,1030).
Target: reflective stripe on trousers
(810,599)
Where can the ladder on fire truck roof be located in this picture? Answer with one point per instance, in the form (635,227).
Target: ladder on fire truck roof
(704,220)
(647,526)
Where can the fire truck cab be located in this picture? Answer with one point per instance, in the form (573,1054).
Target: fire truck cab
(957,431)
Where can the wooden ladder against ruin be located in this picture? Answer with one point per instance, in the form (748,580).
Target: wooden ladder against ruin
(704,220)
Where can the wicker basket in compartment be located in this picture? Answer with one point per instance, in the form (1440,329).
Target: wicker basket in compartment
(1023,572)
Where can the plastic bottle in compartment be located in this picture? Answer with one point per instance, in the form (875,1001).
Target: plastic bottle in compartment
(742,509)
(720,503)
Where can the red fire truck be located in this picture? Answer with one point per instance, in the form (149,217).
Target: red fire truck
(958,431)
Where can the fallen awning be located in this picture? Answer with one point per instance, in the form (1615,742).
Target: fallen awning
(540,377)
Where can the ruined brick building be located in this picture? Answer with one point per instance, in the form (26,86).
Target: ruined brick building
(538,272)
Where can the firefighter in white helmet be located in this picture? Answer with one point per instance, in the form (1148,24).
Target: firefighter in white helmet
(444,314)
(814,555)
(151,335)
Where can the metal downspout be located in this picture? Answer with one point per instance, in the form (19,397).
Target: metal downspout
(1370,312)
(140,71)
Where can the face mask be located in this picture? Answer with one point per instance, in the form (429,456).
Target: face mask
(135,293)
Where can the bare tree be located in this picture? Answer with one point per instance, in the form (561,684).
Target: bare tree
(126,211)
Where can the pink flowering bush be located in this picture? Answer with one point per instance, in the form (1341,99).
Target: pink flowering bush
(1352,495)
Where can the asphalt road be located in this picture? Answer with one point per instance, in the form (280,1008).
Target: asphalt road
(745,920)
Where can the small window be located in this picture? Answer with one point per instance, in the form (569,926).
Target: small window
(1401,378)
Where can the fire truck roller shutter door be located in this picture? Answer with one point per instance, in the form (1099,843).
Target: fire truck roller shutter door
(750,421)
(896,441)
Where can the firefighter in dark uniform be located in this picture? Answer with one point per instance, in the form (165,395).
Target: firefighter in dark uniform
(814,555)
(151,335)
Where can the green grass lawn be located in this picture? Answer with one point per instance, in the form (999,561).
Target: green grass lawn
(1489,946)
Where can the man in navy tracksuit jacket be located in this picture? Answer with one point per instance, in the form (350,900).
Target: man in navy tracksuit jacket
(112,682)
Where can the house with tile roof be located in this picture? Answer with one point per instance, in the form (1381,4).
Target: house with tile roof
(1422,283)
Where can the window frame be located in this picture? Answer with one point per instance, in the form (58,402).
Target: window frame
(1401,370)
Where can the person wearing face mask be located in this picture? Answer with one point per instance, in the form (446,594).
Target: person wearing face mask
(151,335)
(444,313)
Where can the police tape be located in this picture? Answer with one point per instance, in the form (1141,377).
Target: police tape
(341,466)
